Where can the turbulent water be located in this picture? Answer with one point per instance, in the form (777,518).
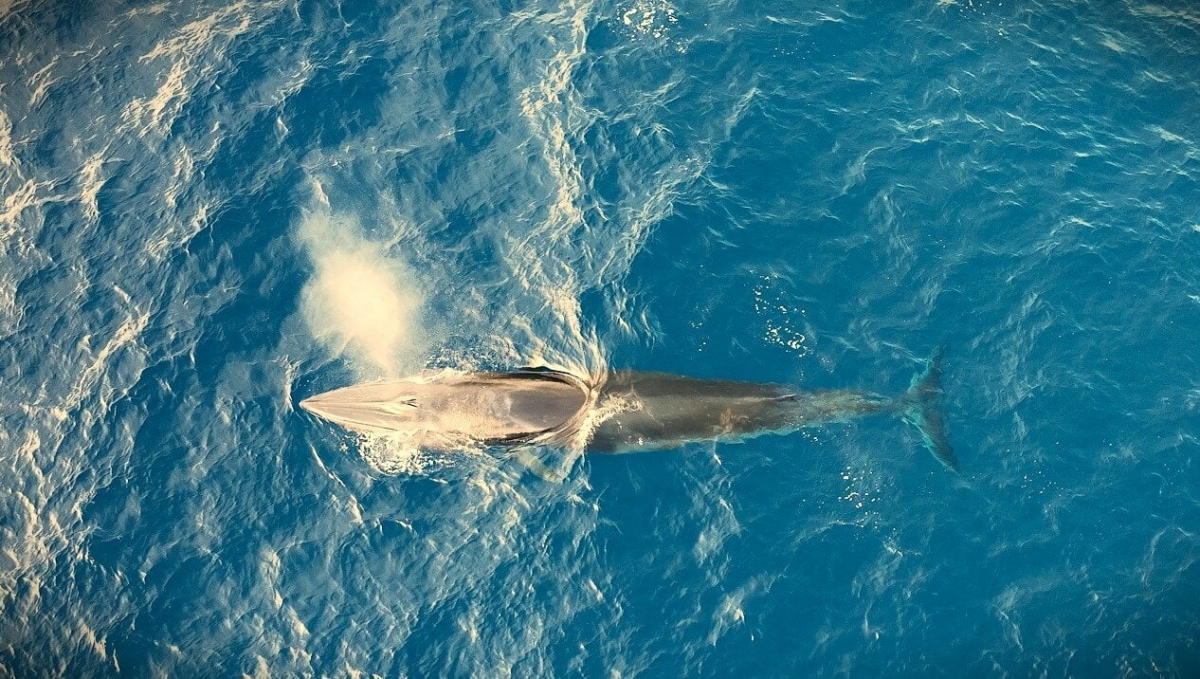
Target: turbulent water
(213,210)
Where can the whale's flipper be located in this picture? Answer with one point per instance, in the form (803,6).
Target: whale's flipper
(533,463)
(922,405)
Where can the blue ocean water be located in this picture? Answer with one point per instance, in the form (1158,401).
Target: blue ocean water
(213,210)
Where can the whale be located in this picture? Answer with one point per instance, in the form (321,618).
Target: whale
(621,411)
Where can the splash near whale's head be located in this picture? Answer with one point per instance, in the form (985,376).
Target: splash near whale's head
(361,300)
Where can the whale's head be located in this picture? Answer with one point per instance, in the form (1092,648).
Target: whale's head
(454,407)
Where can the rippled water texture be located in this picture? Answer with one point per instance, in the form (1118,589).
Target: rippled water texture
(213,210)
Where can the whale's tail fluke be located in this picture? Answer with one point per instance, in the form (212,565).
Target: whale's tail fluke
(922,408)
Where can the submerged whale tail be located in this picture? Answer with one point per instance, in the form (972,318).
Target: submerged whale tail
(922,407)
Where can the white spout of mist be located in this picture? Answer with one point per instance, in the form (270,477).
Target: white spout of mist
(361,302)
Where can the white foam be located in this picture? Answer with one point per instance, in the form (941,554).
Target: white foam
(393,455)
(90,183)
(95,379)
(6,6)
(156,113)
(195,52)
(782,318)
(230,22)
(41,81)
(650,18)
(8,156)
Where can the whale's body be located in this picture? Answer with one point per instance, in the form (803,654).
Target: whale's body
(666,411)
(624,411)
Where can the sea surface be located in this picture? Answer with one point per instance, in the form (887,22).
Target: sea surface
(212,210)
